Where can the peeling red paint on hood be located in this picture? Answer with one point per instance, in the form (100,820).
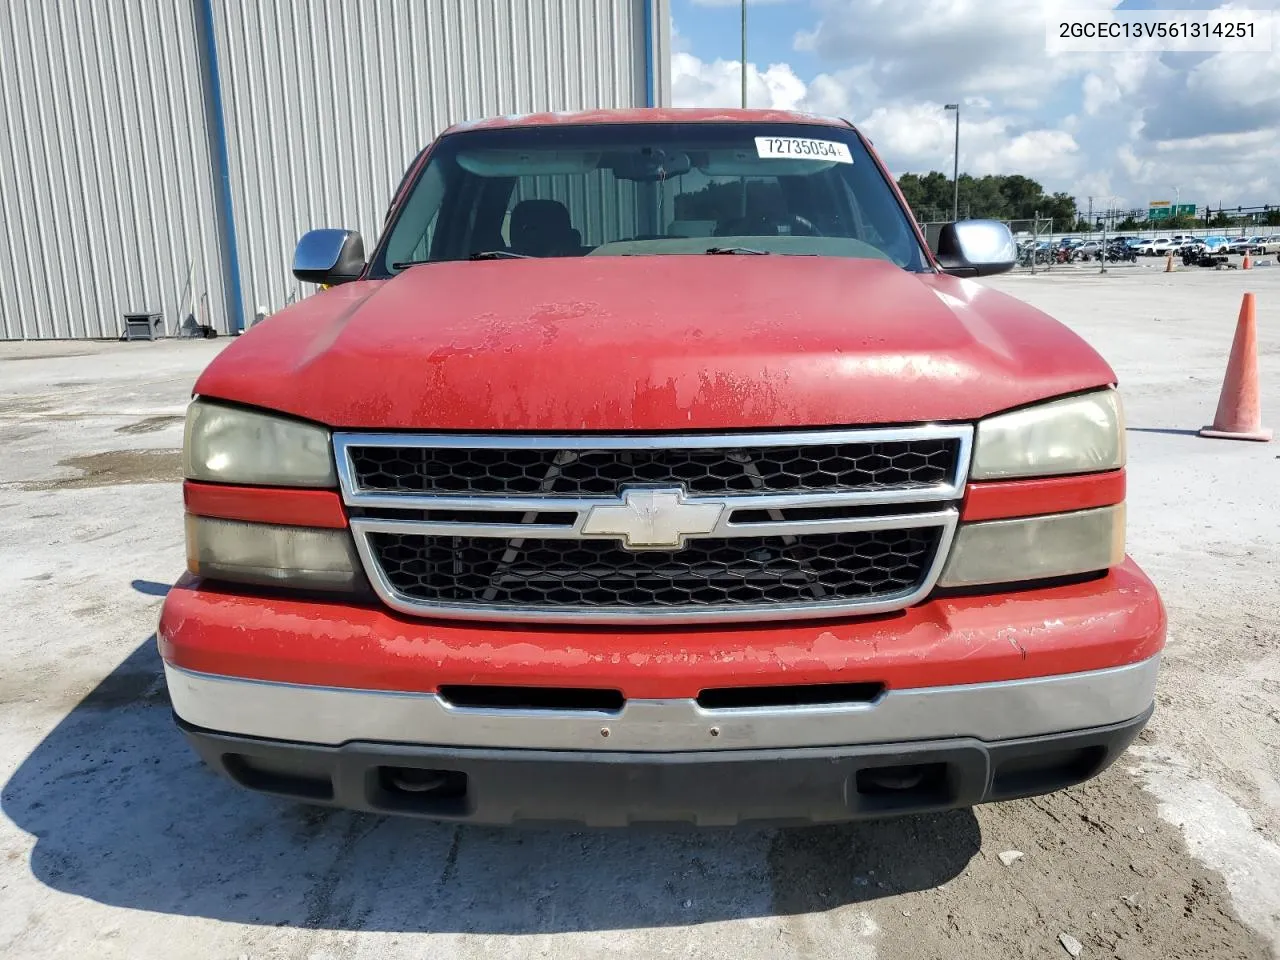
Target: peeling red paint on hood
(653,343)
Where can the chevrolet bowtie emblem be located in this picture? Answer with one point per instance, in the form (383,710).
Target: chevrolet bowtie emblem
(648,518)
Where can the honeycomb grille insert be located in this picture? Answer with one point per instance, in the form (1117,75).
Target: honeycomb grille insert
(560,574)
(878,465)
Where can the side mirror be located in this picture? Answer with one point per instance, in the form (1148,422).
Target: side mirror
(976,248)
(329,256)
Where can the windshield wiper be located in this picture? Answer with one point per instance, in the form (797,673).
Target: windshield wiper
(736,251)
(479,255)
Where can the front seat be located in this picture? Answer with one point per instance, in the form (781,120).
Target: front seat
(542,228)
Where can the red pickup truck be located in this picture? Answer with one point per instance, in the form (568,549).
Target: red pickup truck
(653,468)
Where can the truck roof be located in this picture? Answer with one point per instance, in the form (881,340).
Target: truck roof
(647,115)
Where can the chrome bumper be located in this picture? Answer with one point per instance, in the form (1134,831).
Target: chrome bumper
(1003,710)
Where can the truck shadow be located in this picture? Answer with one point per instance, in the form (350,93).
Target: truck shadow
(124,814)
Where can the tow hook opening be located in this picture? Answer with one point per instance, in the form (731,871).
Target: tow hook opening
(440,793)
(888,779)
(416,781)
(908,785)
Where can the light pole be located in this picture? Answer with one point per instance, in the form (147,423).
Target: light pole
(955,176)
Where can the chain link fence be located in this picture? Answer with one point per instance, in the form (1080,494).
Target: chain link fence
(1035,245)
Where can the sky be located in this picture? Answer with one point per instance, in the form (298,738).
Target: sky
(1126,128)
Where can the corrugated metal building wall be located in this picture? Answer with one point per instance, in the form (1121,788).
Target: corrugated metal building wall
(201,137)
(105,191)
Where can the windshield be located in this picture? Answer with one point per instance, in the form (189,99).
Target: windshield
(650,189)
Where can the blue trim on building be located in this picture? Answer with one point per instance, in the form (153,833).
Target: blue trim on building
(222,170)
(650,74)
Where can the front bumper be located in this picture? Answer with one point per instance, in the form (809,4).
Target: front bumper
(973,699)
(990,712)
(716,788)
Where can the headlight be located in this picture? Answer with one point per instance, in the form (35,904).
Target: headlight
(1036,548)
(306,558)
(229,445)
(1080,434)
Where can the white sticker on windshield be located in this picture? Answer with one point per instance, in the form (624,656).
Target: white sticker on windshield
(793,148)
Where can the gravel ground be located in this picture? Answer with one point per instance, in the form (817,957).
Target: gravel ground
(116,843)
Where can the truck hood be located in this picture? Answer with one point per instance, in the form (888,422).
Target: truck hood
(652,343)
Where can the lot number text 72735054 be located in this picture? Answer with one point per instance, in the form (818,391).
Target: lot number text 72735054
(796,148)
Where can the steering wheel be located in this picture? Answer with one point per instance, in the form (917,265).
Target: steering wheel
(807,229)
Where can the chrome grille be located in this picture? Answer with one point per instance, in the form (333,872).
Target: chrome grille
(628,528)
(721,571)
(716,470)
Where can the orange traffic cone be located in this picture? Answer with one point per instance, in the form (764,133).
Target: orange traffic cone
(1239,415)
(1248,264)
(1168,264)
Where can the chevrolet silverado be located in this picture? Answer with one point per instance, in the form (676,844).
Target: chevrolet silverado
(653,467)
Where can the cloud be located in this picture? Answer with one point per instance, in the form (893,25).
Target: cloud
(910,136)
(719,84)
(1209,125)
(941,48)
(916,137)
(1135,124)
(1043,154)
(1221,93)
(921,134)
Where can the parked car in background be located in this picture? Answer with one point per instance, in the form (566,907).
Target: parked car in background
(1179,243)
(1159,248)
(548,510)
(1241,244)
(1264,245)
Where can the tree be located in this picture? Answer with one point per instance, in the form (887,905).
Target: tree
(932,192)
(913,191)
(1001,197)
(1128,223)
(983,197)
(1061,207)
(1021,196)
